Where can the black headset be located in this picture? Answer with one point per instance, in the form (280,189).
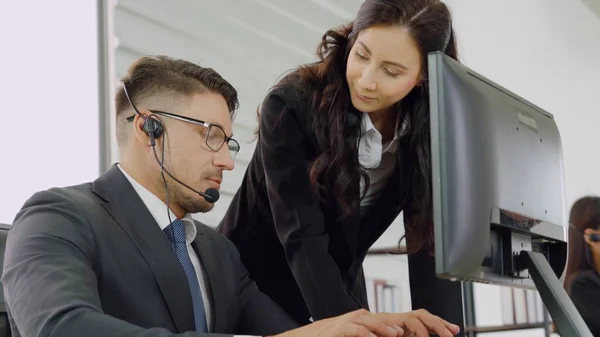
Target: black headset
(152,126)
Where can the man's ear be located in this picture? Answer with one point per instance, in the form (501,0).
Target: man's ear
(138,127)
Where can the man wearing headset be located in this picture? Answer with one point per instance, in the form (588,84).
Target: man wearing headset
(121,256)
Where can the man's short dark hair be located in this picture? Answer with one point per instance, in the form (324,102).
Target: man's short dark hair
(152,76)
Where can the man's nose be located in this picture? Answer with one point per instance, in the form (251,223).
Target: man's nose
(224,159)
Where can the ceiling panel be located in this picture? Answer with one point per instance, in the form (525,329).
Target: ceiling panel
(234,42)
(594,6)
(344,9)
(269,23)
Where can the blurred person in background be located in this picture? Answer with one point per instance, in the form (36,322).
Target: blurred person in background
(343,148)
(582,279)
(122,256)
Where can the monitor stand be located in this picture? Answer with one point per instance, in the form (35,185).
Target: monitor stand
(567,319)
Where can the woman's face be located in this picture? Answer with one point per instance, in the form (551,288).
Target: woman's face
(384,65)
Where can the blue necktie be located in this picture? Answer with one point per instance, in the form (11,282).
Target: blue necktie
(176,234)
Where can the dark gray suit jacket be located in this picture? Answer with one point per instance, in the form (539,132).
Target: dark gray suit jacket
(90,260)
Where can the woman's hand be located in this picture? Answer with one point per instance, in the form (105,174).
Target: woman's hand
(362,323)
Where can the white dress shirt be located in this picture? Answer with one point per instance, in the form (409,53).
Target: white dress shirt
(378,160)
(158,209)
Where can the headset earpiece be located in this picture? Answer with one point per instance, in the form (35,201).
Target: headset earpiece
(153,127)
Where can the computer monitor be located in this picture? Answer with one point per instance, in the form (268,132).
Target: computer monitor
(498,188)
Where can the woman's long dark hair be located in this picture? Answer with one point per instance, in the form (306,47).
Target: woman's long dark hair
(585,213)
(429,23)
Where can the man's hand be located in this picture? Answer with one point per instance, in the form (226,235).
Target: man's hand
(420,323)
(362,323)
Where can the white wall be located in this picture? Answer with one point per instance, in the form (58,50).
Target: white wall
(48,99)
(547,51)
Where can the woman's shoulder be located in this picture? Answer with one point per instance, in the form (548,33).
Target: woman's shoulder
(292,94)
(295,88)
(585,284)
(586,278)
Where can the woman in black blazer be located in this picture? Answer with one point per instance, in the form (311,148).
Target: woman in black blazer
(343,148)
(582,280)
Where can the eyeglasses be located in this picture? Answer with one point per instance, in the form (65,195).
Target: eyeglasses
(215,136)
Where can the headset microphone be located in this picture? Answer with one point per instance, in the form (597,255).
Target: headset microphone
(211,195)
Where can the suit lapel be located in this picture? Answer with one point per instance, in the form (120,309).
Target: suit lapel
(130,213)
(205,249)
